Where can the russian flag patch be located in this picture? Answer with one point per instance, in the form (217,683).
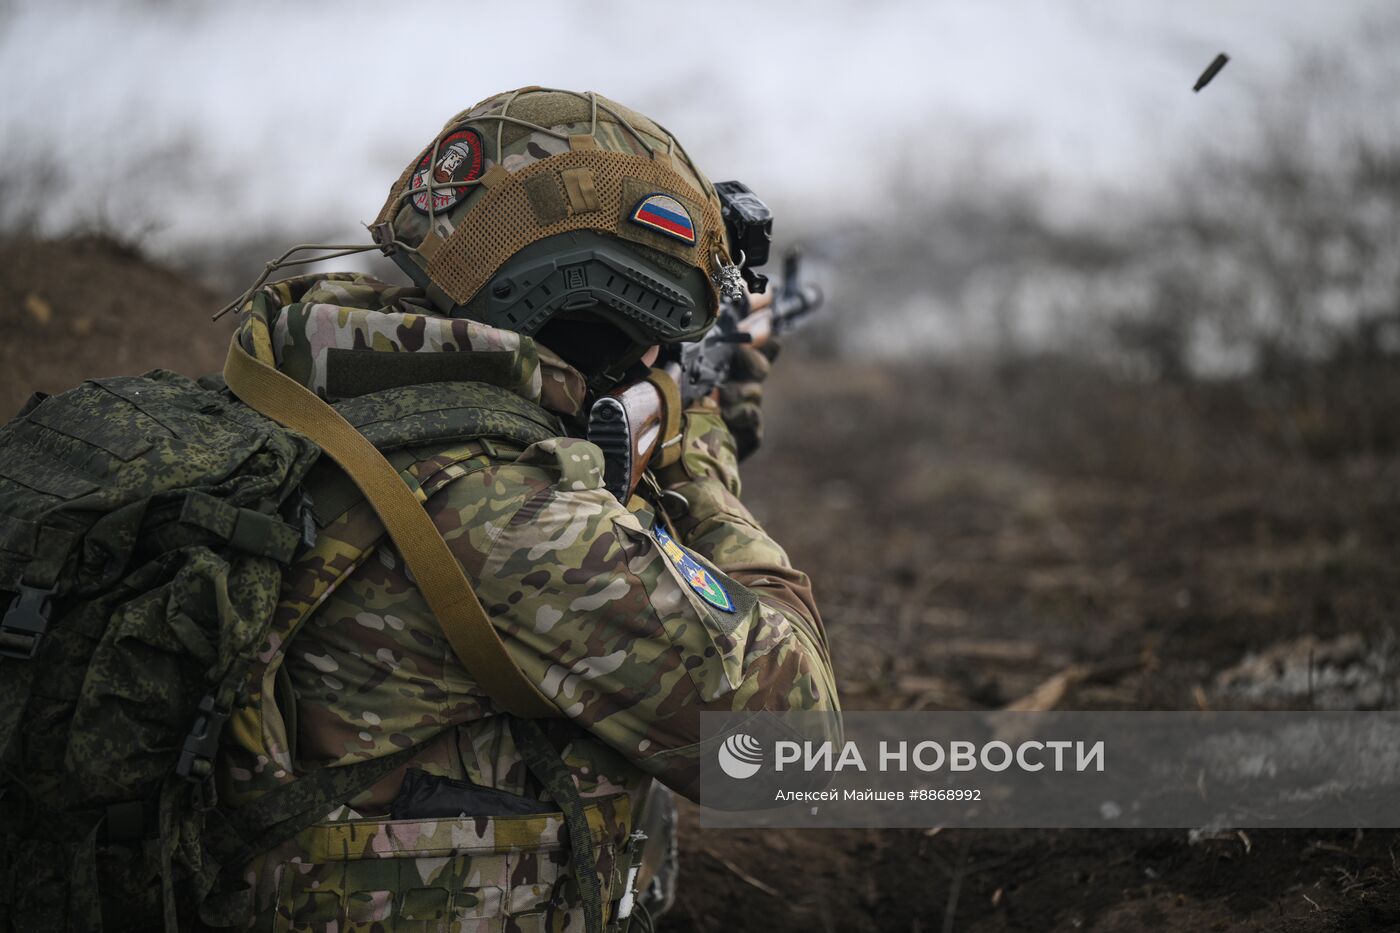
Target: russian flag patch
(665,214)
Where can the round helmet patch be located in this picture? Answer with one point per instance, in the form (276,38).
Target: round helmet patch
(460,156)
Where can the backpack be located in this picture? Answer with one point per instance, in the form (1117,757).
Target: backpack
(144,525)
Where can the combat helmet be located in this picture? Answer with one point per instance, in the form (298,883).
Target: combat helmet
(565,216)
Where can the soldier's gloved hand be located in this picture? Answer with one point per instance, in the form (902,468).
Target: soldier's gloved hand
(741,396)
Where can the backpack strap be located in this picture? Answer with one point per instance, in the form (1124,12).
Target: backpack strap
(23,625)
(435,570)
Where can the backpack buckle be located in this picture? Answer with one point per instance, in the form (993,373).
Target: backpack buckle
(196,762)
(25,622)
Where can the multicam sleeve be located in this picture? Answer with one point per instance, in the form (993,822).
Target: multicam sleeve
(633,642)
(716,524)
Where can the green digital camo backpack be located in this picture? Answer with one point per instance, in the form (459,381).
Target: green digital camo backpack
(144,523)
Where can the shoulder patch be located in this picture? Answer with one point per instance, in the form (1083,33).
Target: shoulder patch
(700,579)
(664,214)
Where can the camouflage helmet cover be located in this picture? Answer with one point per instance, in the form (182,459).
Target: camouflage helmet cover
(588,177)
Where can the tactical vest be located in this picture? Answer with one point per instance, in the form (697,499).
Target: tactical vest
(488,872)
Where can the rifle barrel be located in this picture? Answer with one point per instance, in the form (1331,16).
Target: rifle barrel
(790,308)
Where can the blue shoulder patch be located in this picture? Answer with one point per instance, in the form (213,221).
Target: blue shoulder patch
(700,579)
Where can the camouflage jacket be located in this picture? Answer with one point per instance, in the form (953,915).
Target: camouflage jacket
(591,598)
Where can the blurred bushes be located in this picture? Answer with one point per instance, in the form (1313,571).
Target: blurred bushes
(1270,253)
(1269,270)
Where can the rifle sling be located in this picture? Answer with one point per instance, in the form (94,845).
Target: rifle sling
(435,570)
(668,448)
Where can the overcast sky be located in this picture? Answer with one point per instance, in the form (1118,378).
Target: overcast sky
(299,115)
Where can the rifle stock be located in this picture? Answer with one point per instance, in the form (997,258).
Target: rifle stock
(627,424)
(632,423)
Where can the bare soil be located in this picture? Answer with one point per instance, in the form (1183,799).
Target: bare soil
(85,307)
(973,532)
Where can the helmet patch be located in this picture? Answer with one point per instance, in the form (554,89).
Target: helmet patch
(665,214)
(460,157)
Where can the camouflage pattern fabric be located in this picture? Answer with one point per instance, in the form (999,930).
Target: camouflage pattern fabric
(147,513)
(585,600)
(535,165)
(463,875)
(559,114)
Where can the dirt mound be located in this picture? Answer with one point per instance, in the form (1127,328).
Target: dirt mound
(73,309)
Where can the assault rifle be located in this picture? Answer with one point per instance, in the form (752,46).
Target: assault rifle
(627,423)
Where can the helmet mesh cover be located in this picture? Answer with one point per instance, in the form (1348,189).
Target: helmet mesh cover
(594,163)
(508,218)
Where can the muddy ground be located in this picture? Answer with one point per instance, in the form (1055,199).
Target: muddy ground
(977,533)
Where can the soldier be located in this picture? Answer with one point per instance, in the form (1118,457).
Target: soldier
(556,242)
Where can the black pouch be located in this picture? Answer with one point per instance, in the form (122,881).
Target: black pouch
(425,796)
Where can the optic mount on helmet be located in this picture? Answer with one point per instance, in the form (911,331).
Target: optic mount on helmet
(749,223)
